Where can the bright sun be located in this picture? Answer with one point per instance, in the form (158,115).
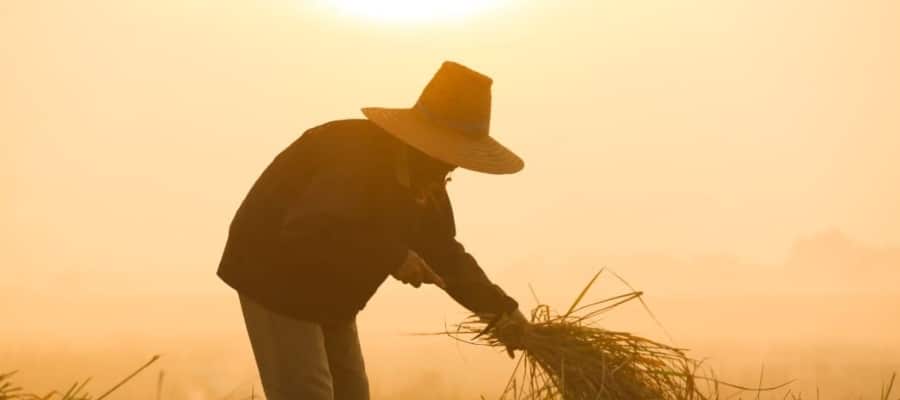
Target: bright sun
(412,10)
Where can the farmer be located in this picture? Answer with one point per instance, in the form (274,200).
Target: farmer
(347,204)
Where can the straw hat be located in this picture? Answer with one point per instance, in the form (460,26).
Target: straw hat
(451,121)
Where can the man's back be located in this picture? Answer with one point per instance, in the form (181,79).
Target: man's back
(334,179)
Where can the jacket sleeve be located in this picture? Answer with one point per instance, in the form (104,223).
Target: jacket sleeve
(336,224)
(466,281)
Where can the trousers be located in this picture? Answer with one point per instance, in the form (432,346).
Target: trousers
(303,360)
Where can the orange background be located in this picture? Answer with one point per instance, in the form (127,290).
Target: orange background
(737,160)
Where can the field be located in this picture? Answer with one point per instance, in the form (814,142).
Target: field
(782,338)
(825,317)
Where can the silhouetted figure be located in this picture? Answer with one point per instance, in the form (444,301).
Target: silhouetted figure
(347,204)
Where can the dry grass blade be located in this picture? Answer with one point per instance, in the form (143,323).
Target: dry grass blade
(128,378)
(583,293)
(886,391)
(8,391)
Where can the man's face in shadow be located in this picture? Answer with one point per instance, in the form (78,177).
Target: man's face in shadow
(425,170)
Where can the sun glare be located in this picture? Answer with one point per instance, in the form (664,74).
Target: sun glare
(412,11)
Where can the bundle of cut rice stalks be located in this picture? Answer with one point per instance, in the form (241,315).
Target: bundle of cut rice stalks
(567,356)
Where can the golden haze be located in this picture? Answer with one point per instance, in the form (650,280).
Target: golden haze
(737,160)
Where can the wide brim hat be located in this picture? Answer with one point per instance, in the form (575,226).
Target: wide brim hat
(451,122)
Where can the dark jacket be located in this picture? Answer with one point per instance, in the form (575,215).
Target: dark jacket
(328,221)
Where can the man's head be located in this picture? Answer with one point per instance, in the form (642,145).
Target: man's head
(450,122)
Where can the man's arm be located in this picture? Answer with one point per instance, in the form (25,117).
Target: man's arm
(468,284)
(465,281)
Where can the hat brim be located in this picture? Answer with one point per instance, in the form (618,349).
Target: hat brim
(482,154)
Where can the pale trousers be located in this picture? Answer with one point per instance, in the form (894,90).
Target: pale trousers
(302,360)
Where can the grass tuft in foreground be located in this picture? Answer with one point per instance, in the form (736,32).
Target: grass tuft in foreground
(8,391)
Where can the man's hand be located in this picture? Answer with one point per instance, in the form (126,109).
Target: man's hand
(508,327)
(415,271)
(515,318)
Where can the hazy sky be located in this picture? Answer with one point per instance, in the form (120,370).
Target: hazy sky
(131,130)
(134,128)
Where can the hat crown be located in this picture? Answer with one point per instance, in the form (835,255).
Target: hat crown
(458,98)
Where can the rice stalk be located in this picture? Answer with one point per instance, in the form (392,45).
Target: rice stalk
(567,356)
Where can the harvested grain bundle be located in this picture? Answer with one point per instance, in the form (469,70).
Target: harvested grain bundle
(566,356)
